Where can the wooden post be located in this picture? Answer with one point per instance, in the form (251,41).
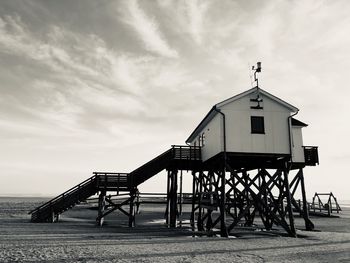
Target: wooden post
(289,202)
(308,224)
(234,195)
(200,209)
(132,208)
(173,198)
(263,185)
(223,228)
(180,200)
(313,203)
(52,218)
(101,207)
(246,191)
(193,200)
(167,214)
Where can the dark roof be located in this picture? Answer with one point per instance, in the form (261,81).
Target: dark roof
(296,122)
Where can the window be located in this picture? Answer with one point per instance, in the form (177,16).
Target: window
(202,140)
(257,124)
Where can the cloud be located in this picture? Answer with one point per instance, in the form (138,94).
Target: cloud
(147,29)
(196,13)
(77,83)
(16,39)
(101,84)
(71,74)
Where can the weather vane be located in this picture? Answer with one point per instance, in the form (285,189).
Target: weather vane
(256,70)
(258,98)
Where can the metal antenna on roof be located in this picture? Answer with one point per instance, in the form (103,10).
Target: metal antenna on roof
(258,98)
(256,70)
(250,75)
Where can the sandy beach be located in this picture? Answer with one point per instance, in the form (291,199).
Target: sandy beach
(75,238)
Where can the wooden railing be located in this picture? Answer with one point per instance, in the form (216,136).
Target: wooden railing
(176,152)
(99,181)
(67,193)
(115,181)
(150,168)
(181,152)
(311,155)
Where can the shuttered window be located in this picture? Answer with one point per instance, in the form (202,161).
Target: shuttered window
(257,123)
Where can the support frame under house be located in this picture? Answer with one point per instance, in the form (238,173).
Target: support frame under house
(231,192)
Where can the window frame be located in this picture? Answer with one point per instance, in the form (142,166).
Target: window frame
(257,128)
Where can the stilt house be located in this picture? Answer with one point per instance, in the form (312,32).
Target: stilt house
(240,156)
(253,125)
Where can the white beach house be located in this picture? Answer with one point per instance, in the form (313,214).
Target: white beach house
(254,122)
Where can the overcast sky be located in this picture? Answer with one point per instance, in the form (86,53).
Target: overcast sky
(107,85)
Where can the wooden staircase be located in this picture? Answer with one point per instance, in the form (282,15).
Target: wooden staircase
(99,181)
(177,157)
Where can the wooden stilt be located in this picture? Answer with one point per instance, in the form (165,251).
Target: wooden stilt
(101,207)
(132,208)
(194,198)
(223,228)
(173,198)
(292,231)
(308,224)
(167,213)
(180,201)
(52,218)
(200,199)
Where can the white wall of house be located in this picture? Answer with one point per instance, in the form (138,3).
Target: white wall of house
(213,138)
(297,143)
(239,136)
(238,127)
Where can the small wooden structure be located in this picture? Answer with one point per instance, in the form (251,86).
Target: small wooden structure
(329,206)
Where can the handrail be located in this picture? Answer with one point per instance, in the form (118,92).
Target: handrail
(78,187)
(65,193)
(311,155)
(185,146)
(108,173)
(184,152)
(154,159)
(175,153)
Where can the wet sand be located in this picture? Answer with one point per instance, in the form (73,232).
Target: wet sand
(75,238)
